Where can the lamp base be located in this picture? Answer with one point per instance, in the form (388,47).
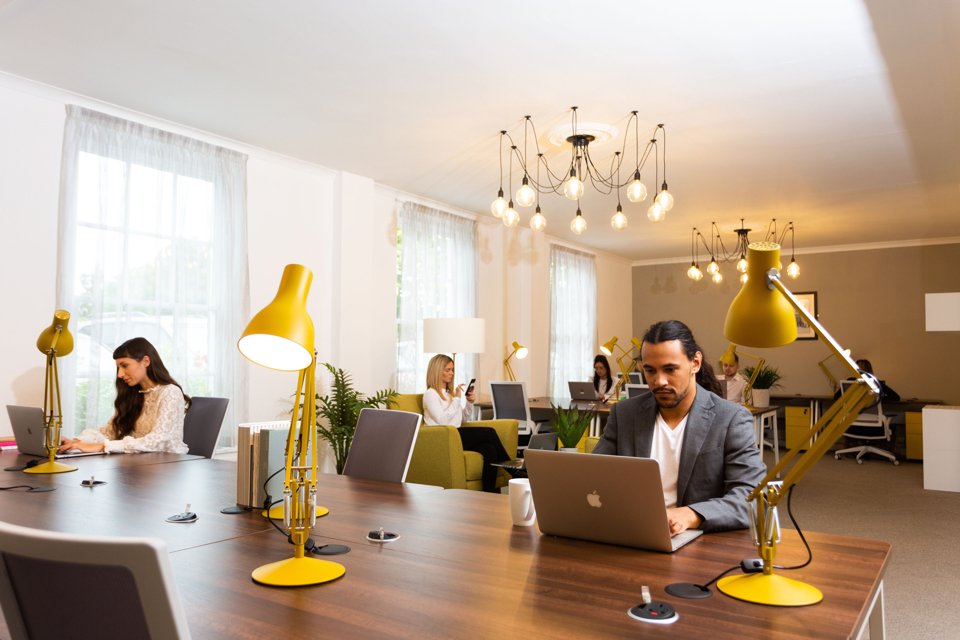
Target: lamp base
(50,467)
(297,572)
(276,512)
(770,589)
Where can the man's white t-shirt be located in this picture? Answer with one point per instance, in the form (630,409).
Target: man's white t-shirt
(665,449)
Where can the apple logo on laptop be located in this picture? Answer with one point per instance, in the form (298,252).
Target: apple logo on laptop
(593,499)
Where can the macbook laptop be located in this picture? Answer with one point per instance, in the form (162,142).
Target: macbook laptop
(542,441)
(580,390)
(610,499)
(28,430)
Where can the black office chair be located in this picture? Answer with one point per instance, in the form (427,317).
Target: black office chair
(202,423)
(510,402)
(871,424)
(382,445)
(52,583)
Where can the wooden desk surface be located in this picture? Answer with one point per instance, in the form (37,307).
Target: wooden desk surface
(459,568)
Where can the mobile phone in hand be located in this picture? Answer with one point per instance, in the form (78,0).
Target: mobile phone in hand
(470,386)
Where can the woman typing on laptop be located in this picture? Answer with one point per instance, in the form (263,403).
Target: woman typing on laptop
(149,407)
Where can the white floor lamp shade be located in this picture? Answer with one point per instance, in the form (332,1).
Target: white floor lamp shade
(453,335)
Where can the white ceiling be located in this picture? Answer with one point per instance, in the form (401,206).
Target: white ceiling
(837,114)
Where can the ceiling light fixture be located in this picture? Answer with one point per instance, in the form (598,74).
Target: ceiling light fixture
(582,169)
(719,254)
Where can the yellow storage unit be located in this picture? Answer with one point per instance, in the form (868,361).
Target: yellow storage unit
(797,425)
(914,435)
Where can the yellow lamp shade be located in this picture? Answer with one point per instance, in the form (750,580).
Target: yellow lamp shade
(281,335)
(730,355)
(607,347)
(56,336)
(760,316)
(520,350)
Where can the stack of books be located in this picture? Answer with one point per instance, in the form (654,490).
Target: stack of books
(8,443)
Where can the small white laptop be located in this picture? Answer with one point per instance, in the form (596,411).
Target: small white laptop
(580,390)
(610,499)
(28,430)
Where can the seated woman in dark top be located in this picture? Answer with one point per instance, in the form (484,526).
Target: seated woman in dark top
(886,393)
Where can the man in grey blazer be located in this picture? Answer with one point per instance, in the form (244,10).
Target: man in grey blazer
(705,445)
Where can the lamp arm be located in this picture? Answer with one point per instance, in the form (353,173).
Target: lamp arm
(625,370)
(506,365)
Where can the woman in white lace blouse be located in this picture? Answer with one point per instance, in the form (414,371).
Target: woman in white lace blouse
(149,407)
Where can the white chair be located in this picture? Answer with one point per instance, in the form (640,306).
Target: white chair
(871,424)
(382,445)
(58,585)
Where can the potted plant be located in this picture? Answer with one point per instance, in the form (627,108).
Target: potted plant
(340,411)
(768,378)
(570,425)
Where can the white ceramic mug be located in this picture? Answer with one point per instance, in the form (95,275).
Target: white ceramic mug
(521,503)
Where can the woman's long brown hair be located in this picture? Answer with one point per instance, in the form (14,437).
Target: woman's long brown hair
(129,402)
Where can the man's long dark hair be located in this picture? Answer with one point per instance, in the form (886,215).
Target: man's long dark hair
(667,330)
(129,402)
(602,359)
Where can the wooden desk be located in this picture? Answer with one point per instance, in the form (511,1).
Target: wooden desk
(458,570)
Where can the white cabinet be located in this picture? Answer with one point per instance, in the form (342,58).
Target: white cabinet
(941,448)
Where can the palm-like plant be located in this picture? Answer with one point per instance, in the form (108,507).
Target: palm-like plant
(340,411)
(768,378)
(570,424)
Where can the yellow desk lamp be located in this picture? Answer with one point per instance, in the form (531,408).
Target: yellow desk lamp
(607,349)
(762,315)
(521,352)
(281,337)
(54,341)
(730,357)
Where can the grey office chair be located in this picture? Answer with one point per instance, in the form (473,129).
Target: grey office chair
(510,402)
(51,585)
(202,423)
(871,424)
(382,445)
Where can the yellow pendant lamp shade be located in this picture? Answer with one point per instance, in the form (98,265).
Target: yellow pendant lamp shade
(281,335)
(56,336)
(760,316)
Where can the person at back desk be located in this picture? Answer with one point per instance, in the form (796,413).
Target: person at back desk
(705,445)
(886,393)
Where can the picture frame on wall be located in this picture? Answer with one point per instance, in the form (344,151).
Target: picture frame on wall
(807,299)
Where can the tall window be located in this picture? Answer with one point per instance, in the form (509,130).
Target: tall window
(573,317)
(436,278)
(152,243)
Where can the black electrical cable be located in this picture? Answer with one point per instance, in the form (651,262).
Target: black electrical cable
(799,533)
(29,488)
(707,585)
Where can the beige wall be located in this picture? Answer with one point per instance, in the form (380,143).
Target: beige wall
(871,301)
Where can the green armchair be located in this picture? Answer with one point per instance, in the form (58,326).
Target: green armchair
(438,455)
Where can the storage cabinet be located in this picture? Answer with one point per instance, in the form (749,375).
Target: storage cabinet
(797,424)
(914,421)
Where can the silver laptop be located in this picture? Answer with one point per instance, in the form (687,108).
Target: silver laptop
(28,430)
(610,499)
(580,390)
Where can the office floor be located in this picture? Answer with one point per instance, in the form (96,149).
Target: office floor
(887,502)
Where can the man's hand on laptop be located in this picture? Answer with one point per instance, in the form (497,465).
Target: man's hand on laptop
(682,518)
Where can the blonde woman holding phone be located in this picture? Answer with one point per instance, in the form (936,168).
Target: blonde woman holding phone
(443,404)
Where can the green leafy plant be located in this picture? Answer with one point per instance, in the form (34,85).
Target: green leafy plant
(338,412)
(570,424)
(768,378)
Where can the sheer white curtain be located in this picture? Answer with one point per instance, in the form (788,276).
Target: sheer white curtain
(573,317)
(436,278)
(152,243)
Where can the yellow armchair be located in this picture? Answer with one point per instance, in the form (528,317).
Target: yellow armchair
(438,455)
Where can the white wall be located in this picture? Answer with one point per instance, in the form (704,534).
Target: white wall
(341,226)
